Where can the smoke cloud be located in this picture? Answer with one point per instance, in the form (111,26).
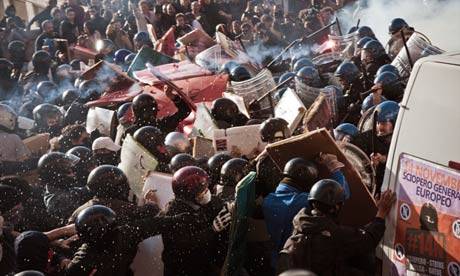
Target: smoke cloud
(437,19)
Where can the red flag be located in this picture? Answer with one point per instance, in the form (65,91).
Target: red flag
(166,44)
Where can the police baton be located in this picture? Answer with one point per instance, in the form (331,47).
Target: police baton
(293,43)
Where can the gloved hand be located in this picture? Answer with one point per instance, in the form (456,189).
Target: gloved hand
(222,220)
(330,161)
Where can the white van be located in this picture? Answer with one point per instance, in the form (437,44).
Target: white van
(423,168)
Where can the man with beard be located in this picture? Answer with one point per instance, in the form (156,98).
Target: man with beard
(48,33)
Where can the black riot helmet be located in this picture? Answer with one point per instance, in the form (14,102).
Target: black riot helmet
(151,138)
(181,160)
(87,85)
(301,171)
(347,71)
(94,223)
(239,73)
(233,171)
(328,193)
(47,89)
(69,96)
(47,115)
(215,164)
(108,181)
(396,25)
(228,66)
(29,273)
(365,31)
(274,129)
(6,68)
(145,107)
(41,60)
(17,49)
(84,165)
(224,109)
(55,168)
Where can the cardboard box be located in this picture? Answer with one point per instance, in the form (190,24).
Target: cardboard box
(38,144)
(319,115)
(202,147)
(360,209)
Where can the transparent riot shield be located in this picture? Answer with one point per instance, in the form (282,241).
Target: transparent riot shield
(328,62)
(307,94)
(418,46)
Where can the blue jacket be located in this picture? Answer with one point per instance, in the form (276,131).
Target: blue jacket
(281,206)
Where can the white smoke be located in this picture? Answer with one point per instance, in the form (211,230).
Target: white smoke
(437,19)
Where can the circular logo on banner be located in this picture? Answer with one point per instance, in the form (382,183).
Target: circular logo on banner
(453,269)
(456,228)
(404,211)
(400,252)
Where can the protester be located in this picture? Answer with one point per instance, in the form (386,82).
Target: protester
(115,131)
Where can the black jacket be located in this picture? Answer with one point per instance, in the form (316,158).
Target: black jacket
(319,244)
(166,124)
(197,251)
(113,255)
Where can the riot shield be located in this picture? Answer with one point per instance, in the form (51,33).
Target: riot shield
(327,63)
(418,47)
(255,88)
(204,124)
(345,44)
(291,109)
(366,121)
(101,119)
(239,141)
(361,163)
(307,94)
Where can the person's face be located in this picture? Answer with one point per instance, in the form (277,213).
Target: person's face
(49,28)
(384,128)
(57,15)
(145,7)
(344,83)
(52,121)
(185,3)
(170,10)
(180,21)
(71,16)
(366,57)
(117,26)
(195,7)
(92,13)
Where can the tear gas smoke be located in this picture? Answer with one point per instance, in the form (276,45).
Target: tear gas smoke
(437,19)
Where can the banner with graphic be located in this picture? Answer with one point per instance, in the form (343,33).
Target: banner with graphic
(427,234)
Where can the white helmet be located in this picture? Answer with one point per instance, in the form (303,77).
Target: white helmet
(8,117)
(177,142)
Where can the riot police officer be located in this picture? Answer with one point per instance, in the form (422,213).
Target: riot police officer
(84,165)
(396,43)
(349,76)
(17,51)
(345,132)
(373,56)
(389,86)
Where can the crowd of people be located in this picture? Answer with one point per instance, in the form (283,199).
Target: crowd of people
(70,210)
